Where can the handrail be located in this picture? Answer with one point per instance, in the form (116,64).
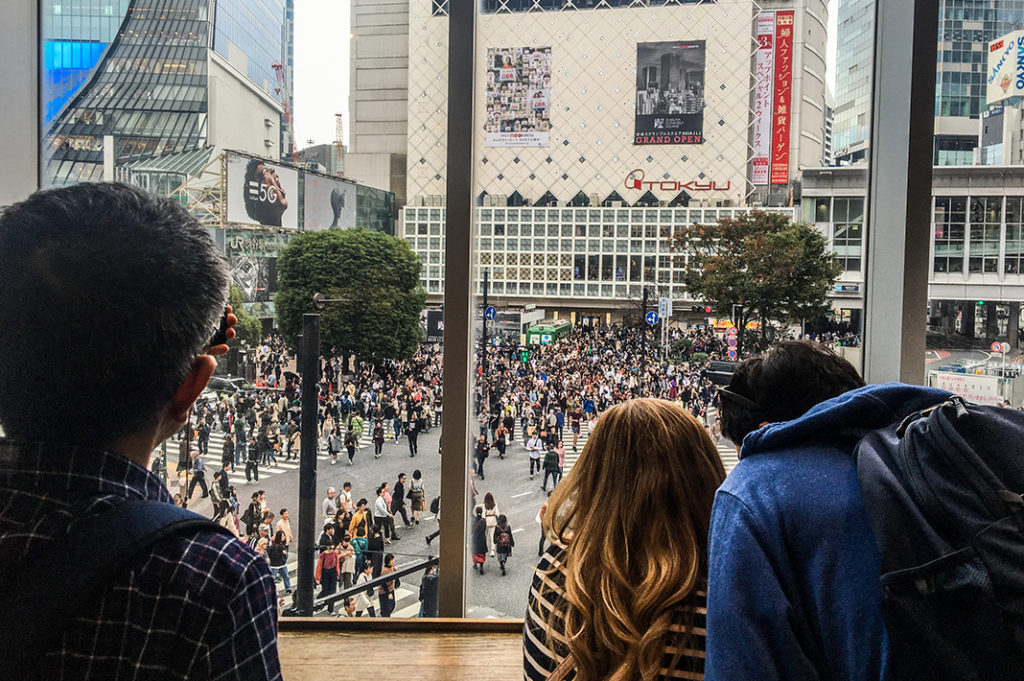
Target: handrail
(330,600)
(425,626)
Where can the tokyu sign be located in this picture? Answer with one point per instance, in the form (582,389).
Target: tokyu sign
(635,180)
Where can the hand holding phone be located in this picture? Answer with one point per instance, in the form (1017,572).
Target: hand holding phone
(226,332)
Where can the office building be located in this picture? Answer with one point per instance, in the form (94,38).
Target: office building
(379,92)
(976,277)
(965,29)
(147,91)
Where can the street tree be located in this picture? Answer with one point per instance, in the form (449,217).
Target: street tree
(771,269)
(377,278)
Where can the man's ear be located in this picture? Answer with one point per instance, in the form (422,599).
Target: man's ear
(191,387)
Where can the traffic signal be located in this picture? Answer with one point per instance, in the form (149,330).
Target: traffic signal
(704,309)
(524,355)
(980,303)
(707,309)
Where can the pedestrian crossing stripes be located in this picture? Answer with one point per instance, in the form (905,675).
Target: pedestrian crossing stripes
(726,450)
(237,474)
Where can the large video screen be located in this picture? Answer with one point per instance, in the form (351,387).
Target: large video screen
(262,193)
(328,203)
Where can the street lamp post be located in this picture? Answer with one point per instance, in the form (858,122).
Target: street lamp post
(309,369)
(483,350)
(307,463)
(643,340)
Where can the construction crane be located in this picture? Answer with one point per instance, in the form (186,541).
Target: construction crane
(279,70)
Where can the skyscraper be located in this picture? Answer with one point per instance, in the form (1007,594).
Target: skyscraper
(142,77)
(965,29)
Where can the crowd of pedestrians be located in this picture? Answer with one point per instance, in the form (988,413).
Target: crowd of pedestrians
(352,546)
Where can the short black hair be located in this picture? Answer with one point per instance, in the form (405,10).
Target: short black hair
(781,385)
(107,294)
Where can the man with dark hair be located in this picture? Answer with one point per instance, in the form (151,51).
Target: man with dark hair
(109,298)
(793,579)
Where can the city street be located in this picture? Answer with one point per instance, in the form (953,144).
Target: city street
(517,496)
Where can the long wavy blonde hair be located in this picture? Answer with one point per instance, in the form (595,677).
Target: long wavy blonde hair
(633,516)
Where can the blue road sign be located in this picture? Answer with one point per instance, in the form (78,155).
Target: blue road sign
(731,341)
(652,318)
(732,353)
(491,313)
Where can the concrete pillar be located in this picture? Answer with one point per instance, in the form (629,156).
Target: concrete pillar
(1013,324)
(967,322)
(991,322)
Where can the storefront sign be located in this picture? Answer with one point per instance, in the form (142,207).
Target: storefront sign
(783,97)
(635,180)
(764,78)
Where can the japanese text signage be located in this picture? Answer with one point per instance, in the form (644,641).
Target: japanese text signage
(764,78)
(783,97)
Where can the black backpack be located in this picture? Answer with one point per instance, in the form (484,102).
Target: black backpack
(435,505)
(942,491)
(63,577)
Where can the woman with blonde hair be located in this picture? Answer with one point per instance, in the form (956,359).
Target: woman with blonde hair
(620,594)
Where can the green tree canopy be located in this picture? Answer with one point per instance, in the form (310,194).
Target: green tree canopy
(777,270)
(377,274)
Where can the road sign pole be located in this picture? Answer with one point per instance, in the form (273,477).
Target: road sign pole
(483,350)
(308,515)
(643,342)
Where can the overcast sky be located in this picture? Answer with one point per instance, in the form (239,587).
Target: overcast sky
(321,67)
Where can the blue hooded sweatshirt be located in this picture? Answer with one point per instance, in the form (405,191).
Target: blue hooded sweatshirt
(793,584)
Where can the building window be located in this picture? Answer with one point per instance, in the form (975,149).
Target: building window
(986,213)
(950,228)
(848,232)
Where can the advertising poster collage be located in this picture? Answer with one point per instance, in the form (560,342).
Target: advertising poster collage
(518,97)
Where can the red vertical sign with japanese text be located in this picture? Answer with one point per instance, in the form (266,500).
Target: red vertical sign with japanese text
(783,97)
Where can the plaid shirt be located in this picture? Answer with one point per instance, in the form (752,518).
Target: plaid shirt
(196,607)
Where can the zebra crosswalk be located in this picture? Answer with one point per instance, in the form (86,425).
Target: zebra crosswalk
(237,474)
(726,450)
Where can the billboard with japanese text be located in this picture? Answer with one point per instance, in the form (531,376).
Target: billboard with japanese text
(783,97)
(252,257)
(773,94)
(518,96)
(764,79)
(670,93)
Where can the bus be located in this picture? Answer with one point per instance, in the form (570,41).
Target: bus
(548,331)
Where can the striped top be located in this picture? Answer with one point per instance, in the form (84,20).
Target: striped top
(539,661)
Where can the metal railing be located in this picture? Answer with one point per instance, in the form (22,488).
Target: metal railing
(328,602)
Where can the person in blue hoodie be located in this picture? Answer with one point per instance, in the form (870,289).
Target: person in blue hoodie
(793,582)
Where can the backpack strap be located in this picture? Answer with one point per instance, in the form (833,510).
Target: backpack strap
(60,579)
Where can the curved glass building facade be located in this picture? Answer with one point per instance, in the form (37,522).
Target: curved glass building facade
(137,71)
